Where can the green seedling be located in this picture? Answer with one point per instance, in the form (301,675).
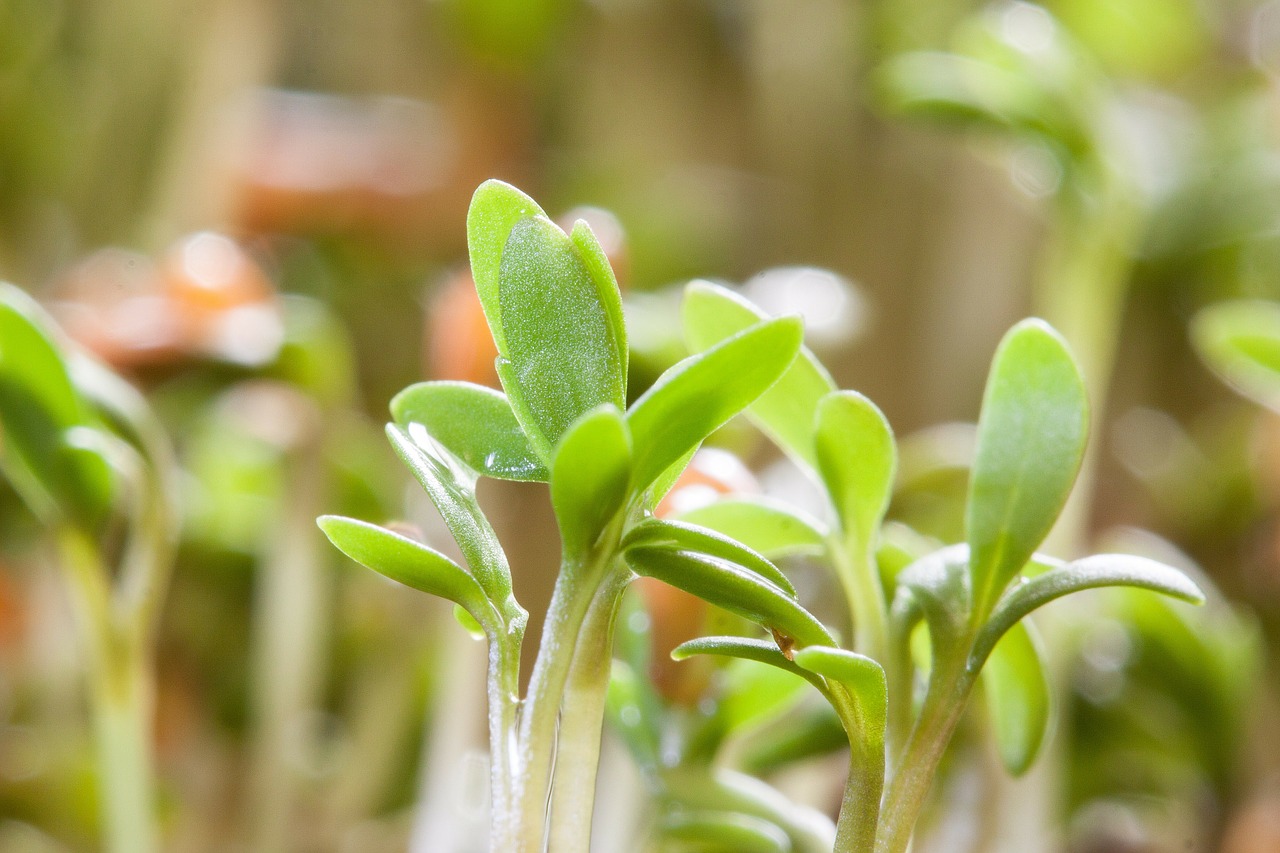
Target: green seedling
(84,452)
(555,312)
(972,598)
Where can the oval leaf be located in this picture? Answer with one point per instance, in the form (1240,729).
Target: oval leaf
(1017,694)
(857,460)
(1240,340)
(767,526)
(731,587)
(495,209)
(410,563)
(683,536)
(1031,440)
(559,343)
(701,393)
(475,424)
(589,477)
(785,412)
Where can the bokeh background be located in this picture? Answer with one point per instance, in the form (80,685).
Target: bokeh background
(256,211)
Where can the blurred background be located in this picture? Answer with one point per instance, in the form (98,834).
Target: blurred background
(255,211)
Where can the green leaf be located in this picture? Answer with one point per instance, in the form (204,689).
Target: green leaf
(725,832)
(1031,440)
(589,477)
(561,351)
(667,480)
(495,209)
(701,393)
(944,86)
(1240,341)
(785,412)
(473,423)
(745,648)
(1017,694)
(730,586)
(597,263)
(753,694)
(468,622)
(864,680)
(768,526)
(410,563)
(857,460)
(41,412)
(1089,573)
(451,488)
(682,536)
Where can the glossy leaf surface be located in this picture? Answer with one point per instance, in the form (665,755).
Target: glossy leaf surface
(1031,441)
(590,475)
(408,562)
(495,209)
(857,460)
(768,526)
(701,393)
(684,536)
(731,587)
(785,412)
(563,357)
(1017,694)
(475,424)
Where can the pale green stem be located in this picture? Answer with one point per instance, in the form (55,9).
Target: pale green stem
(581,723)
(289,621)
(120,696)
(860,580)
(570,600)
(913,776)
(504,702)
(860,804)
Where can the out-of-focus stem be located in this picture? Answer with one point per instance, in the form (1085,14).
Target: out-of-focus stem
(120,696)
(289,621)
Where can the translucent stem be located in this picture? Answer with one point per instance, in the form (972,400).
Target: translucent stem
(581,722)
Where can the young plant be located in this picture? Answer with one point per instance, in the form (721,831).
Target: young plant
(555,313)
(971,598)
(83,451)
